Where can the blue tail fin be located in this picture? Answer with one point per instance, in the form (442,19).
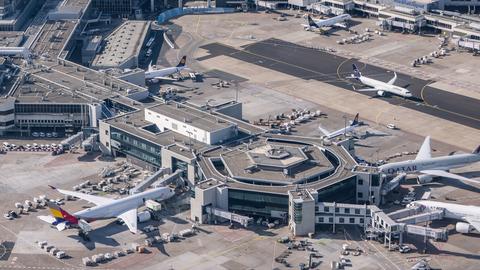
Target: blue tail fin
(356,72)
(183,61)
(355,120)
(311,22)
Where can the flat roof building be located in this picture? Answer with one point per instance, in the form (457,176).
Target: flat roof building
(122,46)
(191,122)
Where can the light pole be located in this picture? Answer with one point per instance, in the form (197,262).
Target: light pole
(190,140)
(345,126)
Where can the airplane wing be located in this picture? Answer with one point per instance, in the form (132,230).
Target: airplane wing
(324,131)
(368,90)
(97,200)
(164,78)
(425,150)
(48,219)
(474,222)
(340,25)
(130,219)
(449,175)
(392,81)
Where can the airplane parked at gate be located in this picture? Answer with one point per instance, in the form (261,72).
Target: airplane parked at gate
(318,25)
(348,129)
(382,88)
(468,213)
(429,167)
(106,208)
(156,75)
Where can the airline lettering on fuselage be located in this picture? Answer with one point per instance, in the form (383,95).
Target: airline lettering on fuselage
(412,168)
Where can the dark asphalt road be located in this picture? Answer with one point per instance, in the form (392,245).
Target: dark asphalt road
(309,64)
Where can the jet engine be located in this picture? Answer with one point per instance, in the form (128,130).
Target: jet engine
(424,179)
(463,227)
(381,93)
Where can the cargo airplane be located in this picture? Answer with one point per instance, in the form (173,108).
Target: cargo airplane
(156,75)
(428,167)
(106,208)
(382,88)
(348,129)
(318,25)
(468,213)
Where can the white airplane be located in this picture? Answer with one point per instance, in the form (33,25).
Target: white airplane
(468,213)
(155,75)
(350,128)
(337,21)
(428,166)
(106,208)
(380,87)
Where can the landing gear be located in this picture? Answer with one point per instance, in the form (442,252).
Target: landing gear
(84,235)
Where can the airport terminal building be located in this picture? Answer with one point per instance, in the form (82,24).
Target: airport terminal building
(234,167)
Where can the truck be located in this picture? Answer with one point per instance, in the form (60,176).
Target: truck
(153,205)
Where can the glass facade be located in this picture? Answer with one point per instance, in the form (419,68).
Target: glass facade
(255,203)
(297,212)
(343,192)
(180,165)
(114,6)
(136,147)
(50,108)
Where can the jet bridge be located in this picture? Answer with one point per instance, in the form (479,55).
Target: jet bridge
(436,234)
(423,217)
(393,184)
(243,220)
(153,180)
(414,215)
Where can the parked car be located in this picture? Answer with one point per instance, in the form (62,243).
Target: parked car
(35,134)
(404,249)
(54,134)
(49,135)
(407,200)
(42,134)
(391,126)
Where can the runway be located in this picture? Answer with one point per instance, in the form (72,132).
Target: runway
(309,64)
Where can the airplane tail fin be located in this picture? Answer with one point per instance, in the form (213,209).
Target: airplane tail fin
(356,72)
(477,150)
(61,215)
(182,62)
(311,22)
(355,120)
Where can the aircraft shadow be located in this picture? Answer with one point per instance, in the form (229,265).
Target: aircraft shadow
(161,247)
(363,145)
(102,236)
(458,184)
(471,174)
(435,251)
(89,157)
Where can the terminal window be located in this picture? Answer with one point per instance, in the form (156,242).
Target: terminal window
(341,220)
(352,220)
